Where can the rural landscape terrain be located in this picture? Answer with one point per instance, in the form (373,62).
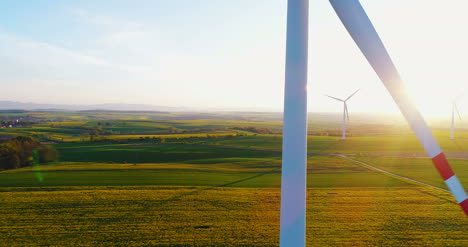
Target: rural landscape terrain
(129,178)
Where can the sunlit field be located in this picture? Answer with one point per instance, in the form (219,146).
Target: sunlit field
(218,184)
(420,169)
(233,123)
(218,201)
(200,216)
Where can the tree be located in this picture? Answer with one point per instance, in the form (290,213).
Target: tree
(8,157)
(47,154)
(25,145)
(18,152)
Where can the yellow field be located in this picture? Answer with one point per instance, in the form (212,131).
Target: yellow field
(238,165)
(202,216)
(195,190)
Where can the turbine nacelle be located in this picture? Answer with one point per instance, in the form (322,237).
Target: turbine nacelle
(345,105)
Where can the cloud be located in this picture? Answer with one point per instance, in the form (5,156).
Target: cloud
(116,38)
(59,54)
(32,69)
(103,21)
(231,60)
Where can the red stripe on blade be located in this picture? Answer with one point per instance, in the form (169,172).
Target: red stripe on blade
(464,205)
(443,166)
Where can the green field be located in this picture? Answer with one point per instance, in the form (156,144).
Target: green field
(420,169)
(225,196)
(260,170)
(352,145)
(199,188)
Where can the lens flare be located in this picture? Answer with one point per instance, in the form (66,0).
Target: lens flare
(36,166)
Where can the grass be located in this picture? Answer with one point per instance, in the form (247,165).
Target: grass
(232,200)
(384,217)
(201,216)
(224,191)
(420,169)
(352,145)
(181,136)
(136,216)
(370,138)
(260,172)
(157,153)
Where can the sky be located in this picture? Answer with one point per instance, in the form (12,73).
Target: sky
(213,54)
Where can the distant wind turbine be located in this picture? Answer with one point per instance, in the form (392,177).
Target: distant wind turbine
(345,112)
(454,109)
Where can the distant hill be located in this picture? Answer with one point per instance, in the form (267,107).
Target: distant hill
(245,114)
(13,105)
(115,111)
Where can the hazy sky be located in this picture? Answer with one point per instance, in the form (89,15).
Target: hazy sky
(223,53)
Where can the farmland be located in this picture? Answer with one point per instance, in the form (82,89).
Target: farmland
(216,182)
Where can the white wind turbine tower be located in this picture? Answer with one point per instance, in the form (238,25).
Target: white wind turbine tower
(345,112)
(454,108)
(294,167)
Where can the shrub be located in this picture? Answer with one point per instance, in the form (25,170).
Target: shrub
(47,154)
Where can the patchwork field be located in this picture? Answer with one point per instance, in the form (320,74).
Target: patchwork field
(220,197)
(352,145)
(218,184)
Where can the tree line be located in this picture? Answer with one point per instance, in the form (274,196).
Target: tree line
(255,130)
(25,151)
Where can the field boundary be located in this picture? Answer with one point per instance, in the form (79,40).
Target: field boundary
(345,156)
(390,173)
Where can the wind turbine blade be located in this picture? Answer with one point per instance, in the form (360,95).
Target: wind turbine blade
(294,169)
(334,98)
(458,112)
(362,31)
(346,110)
(352,95)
